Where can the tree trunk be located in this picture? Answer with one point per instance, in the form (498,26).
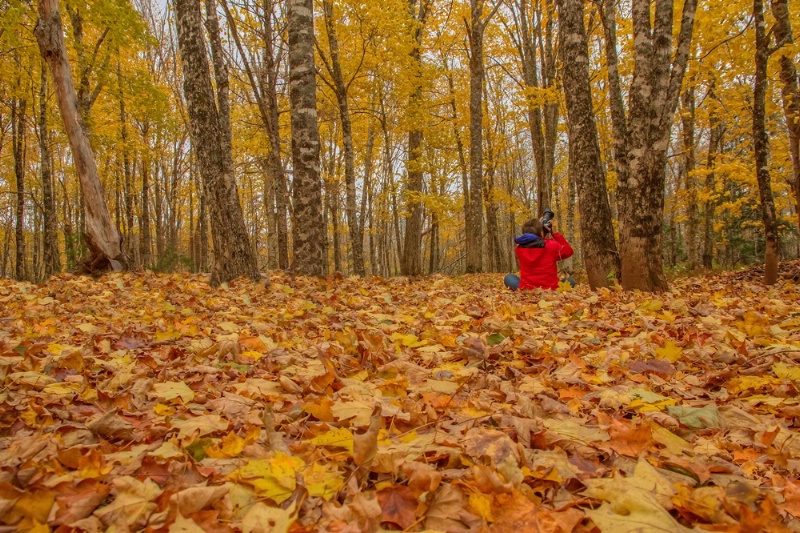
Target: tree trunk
(130,242)
(687,119)
(52,259)
(265,93)
(761,148)
(145,244)
(210,133)
(308,234)
(103,238)
(474,217)
(654,94)
(790,93)
(354,229)
(411,258)
(714,142)
(18,128)
(597,232)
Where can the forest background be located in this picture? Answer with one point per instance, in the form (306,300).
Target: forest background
(396,104)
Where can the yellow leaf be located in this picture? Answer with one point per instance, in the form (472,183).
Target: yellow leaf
(171,390)
(337,438)
(482,504)
(323,481)
(781,370)
(231,445)
(168,335)
(671,352)
(273,477)
(163,410)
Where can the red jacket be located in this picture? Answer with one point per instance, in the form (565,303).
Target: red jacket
(537,266)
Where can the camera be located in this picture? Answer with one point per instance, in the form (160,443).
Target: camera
(547,220)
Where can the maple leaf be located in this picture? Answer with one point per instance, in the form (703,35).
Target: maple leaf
(398,506)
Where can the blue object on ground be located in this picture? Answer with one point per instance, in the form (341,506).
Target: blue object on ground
(511,281)
(570,280)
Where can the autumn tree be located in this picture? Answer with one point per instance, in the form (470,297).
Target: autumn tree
(411,263)
(790,91)
(761,146)
(103,237)
(642,132)
(341,87)
(474,215)
(308,231)
(210,132)
(52,258)
(585,166)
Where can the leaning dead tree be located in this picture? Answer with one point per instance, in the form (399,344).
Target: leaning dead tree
(102,236)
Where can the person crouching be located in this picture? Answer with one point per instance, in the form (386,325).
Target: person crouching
(538,250)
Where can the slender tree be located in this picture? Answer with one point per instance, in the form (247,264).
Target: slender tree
(761,147)
(474,216)
(585,165)
(210,133)
(52,258)
(308,231)
(411,258)
(103,237)
(340,88)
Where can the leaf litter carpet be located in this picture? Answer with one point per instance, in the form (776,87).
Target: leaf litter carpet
(143,402)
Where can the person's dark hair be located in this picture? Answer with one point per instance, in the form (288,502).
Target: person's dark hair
(534,226)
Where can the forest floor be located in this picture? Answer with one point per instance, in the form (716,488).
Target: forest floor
(144,401)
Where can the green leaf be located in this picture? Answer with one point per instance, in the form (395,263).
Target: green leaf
(495,339)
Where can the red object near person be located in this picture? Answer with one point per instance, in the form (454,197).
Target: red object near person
(538,266)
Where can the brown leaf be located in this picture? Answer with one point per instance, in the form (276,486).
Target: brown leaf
(111,426)
(366,446)
(629,441)
(79,501)
(193,499)
(448,511)
(398,505)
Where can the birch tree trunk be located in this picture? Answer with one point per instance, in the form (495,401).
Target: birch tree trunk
(585,166)
(761,147)
(308,232)
(103,238)
(18,128)
(233,254)
(52,258)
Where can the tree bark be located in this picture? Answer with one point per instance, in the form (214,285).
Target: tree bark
(145,242)
(52,258)
(474,216)
(790,93)
(411,257)
(103,238)
(18,128)
(714,142)
(654,95)
(341,89)
(265,92)
(210,133)
(585,166)
(308,232)
(687,120)
(761,147)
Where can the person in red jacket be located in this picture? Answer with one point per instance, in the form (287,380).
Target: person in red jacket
(538,252)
